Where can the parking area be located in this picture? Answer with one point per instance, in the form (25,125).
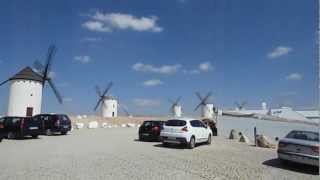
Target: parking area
(117,154)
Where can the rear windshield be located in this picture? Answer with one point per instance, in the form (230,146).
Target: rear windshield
(304,135)
(152,123)
(63,118)
(175,122)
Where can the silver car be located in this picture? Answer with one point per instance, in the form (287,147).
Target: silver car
(301,147)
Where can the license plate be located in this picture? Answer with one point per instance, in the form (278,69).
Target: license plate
(32,128)
(171,138)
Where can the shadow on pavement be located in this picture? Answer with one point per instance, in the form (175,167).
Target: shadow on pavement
(291,166)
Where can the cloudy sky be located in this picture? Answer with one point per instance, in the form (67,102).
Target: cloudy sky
(245,50)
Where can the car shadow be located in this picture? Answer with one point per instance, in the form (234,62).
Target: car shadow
(137,140)
(171,146)
(24,138)
(291,166)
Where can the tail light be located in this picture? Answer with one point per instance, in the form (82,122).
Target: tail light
(282,145)
(315,149)
(185,129)
(155,129)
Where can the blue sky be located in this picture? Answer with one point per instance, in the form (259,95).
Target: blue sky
(153,50)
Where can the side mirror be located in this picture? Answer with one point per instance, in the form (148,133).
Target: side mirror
(277,139)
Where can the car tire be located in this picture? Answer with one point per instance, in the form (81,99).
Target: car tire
(35,136)
(11,135)
(64,133)
(192,143)
(209,139)
(0,139)
(48,132)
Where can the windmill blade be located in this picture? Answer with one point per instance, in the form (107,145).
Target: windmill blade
(51,52)
(98,91)
(38,66)
(124,109)
(199,96)
(56,93)
(98,103)
(178,100)
(4,82)
(197,107)
(107,89)
(205,99)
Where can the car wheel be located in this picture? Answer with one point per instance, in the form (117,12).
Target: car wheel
(11,135)
(192,143)
(209,139)
(35,136)
(48,132)
(63,132)
(0,139)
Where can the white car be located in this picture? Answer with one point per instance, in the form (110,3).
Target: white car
(185,131)
(301,147)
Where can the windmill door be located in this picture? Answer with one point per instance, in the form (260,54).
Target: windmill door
(29,111)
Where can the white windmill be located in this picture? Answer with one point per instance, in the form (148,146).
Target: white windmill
(176,108)
(206,107)
(25,96)
(109,104)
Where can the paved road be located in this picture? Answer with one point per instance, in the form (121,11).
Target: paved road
(116,154)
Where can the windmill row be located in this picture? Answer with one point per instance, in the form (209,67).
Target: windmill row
(26,88)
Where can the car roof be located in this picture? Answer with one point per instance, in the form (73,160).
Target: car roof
(183,119)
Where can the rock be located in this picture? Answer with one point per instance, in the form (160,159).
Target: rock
(123,125)
(93,125)
(138,125)
(79,125)
(244,138)
(104,125)
(263,141)
(233,134)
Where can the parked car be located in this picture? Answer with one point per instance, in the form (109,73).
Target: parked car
(3,134)
(150,130)
(54,123)
(300,147)
(18,127)
(185,131)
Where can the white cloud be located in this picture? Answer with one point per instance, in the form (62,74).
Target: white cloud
(164,69)
(110,21)
(146,102)
(205,66)
(92,39)
(82,59)
(294,77)
(152,82)
(202,67)
(279,51)
(96,26)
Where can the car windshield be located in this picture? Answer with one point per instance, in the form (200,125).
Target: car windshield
(175,122)
(304,135)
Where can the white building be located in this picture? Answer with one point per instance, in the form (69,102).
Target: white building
(207,111)
(177,111)
(109,107)
(25,94)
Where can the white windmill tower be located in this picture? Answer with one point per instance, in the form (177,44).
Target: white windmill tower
(206,107)
(176,108)
(109,104)
(25,96)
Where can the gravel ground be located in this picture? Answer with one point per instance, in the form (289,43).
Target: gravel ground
(116,154)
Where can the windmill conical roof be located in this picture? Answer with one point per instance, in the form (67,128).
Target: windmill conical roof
(27,74)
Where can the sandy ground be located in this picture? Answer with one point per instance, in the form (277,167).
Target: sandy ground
(116,154)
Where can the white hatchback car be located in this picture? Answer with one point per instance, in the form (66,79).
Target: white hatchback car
(185,131)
